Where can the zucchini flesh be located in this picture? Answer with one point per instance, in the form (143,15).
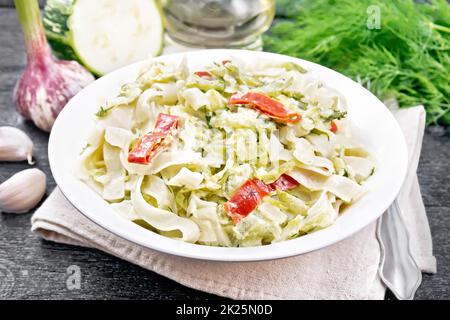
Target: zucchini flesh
(104,34)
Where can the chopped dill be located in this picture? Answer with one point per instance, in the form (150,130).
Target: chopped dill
(336,115)
(84,148)
(102,112)
(346,174)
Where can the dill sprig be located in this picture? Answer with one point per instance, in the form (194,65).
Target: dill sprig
(406,59)
(336,115)
(103,111)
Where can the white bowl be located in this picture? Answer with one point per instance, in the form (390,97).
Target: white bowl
(372,124)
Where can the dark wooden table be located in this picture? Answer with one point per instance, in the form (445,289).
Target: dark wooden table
(39,268)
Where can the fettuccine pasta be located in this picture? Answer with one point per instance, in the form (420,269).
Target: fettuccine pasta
(228,155)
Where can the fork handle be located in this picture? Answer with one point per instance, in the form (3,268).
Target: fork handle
(398,269)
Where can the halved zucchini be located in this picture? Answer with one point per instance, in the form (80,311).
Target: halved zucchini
(104,34)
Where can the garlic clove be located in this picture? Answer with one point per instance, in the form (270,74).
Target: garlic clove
(22,191)
(15,145)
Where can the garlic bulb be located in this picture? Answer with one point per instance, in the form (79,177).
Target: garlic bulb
(47,84)
(22,191)
(15,145)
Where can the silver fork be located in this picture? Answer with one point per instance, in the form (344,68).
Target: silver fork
(398,270)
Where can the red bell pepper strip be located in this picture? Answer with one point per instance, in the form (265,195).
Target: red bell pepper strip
(250,194)
(246,199)
(268,106)
(333,127)
(283,183)
(151,143)
(224,62)
(203,74)
(264,189)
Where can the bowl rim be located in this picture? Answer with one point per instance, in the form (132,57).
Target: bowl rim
(273,251)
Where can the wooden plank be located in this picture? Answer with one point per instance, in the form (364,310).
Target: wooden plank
(40,267)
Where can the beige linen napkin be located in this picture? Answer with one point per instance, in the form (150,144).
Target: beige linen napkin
(345,270)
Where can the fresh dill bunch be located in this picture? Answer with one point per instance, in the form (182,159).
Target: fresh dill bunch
(288,8)
(407,58)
